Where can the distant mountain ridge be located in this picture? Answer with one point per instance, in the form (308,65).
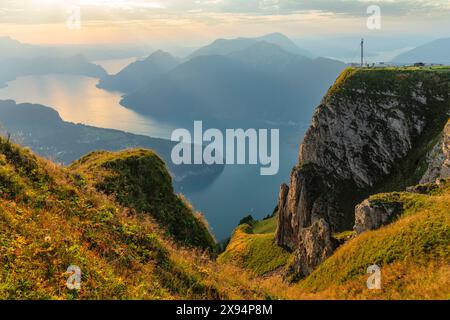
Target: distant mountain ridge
(138,73)
(75,65)
(268,56)
(11,48)
(247,82)
(227,46)
(437,51)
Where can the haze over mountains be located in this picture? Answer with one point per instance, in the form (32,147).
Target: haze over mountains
(437,51)
(21,59)
(136,74)
(11,48)
(243,80)
(227,46)
(75,65)
(257,86)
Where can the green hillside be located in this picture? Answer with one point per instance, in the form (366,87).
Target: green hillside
(52,218)
(139,179)
(413,253)
(253,247)
(418,240)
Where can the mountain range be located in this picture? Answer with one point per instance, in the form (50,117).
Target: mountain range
(75,65)
(437,51)
(241,80)
(10,48)
(227,46)
(116,217)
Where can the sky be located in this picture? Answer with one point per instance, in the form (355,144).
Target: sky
(194,22)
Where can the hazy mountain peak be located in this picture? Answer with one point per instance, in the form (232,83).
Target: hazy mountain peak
(228,46)
(286,43)
(158,57)
(263,51)
(278,36)
(140,73)
(160,54)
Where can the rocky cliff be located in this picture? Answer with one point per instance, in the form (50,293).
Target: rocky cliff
(439,158)
(376,130)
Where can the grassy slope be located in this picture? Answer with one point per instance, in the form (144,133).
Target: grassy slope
(265,226)
(51,218)
(138,179)
(253,247)
(413,252)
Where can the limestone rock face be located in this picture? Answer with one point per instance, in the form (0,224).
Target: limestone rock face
(316,244)
(439,159)
(316,190)
(286,235)
(371,215)
(371,133)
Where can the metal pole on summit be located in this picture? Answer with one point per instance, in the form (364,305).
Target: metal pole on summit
(362,53)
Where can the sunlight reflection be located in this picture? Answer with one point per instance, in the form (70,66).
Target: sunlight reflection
(78,100)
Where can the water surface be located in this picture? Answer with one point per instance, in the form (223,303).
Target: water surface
(237,192)
(78,100)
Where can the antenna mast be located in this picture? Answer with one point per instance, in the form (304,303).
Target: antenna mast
(362,52)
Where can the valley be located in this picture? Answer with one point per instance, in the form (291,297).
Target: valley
(155,181)
(118,225)
(79,101)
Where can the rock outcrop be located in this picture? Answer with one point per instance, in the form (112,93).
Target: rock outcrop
(372,214)
(439,158)
(316,245)
(372,132)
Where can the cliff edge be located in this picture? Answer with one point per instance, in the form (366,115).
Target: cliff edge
(376,130)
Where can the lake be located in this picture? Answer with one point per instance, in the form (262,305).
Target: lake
(78,100)
(237,192)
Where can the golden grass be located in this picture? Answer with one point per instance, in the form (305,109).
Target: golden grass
(255,252)
(50,219)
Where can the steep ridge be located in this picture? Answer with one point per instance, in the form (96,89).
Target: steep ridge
(375,131)
(139,179)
